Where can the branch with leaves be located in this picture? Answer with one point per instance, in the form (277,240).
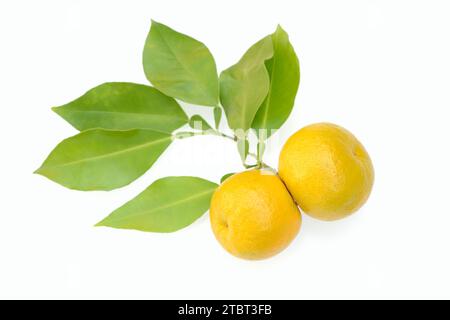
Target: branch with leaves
(125,127)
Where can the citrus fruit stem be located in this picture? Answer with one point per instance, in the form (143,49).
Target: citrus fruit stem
(188,134)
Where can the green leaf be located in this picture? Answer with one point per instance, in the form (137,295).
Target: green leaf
(244,86)
(104,160)
(197,122)
(217,116)
(225,177)
(243,148)
(124,106)
(168,205)
(185,134)
(261,147)
(284,71)
(180,66)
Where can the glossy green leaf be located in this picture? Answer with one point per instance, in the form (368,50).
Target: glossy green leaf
(217,116)
(124,106)
(104,160)
(243,148)
(180,66)
(244,86)
(198,123)
(225,177)
(284,71)
(168,205)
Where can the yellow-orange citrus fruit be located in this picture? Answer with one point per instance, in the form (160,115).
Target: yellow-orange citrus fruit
(253,215)
(327,171)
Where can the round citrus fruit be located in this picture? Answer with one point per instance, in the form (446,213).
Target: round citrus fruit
(253,215)
(327,171)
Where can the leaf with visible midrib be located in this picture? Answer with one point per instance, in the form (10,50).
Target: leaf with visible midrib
(284,71)
(168,205)
(102,159)
(180,66)
(244,86)
(124,106)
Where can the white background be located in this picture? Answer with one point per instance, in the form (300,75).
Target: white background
(379,68)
